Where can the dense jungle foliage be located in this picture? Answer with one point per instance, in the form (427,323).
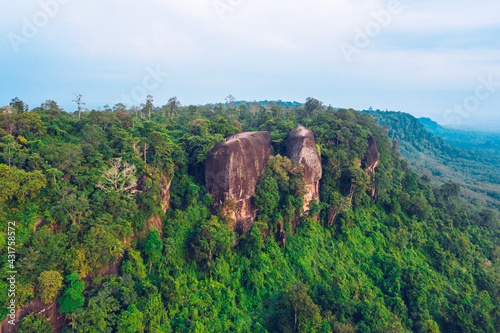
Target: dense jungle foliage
(414,258)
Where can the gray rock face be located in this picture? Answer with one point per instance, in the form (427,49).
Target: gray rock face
(372,161)
(301,147)
(234,168)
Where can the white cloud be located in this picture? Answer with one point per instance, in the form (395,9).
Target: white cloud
(290,44)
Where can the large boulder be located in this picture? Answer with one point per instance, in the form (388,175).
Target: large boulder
(301,147)
(233,169)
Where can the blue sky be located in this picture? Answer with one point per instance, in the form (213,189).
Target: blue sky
(439,59)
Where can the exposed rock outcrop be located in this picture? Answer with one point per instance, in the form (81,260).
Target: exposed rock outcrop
(372,161)
(234,168)
(155,220)
(50,311)
(301,147)
(165,183)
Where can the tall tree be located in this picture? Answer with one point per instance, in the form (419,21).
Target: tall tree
(149,105)
(9,146)
(173,104)
(79,103)
(73,297)
(18,105)
(153,247)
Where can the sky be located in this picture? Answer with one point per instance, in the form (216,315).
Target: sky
(438,59)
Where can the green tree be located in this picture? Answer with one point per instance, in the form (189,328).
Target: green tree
(99,315)
(34,323)
(302,315)
(252,242)
(153,247)
(49,285)
(450,190)
(337,205)
(173,105)
(93,135)
(72,297)
(18,105)
(19,185)
(10,146)
(130,321)
(267,196)
(149,105)
(134,265)
(213,239)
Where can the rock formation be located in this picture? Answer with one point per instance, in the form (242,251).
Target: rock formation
(165,183)
(50,311)
(233,169)
(301,147)
(372,161)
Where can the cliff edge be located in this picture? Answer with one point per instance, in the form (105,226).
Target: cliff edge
(232,171)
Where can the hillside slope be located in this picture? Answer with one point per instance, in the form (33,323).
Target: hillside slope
(466,162)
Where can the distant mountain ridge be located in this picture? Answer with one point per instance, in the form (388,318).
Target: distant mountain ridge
(485,143)
(465,157)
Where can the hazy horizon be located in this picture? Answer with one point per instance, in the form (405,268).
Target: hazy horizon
(430,60)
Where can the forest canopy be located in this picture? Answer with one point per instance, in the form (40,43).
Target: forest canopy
(94,235)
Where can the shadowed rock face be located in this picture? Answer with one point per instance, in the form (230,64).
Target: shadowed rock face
(372,161)
(50,311)
(301,147)
(234,168)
